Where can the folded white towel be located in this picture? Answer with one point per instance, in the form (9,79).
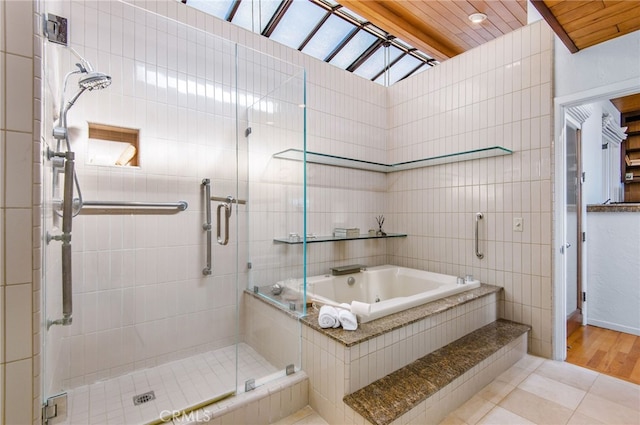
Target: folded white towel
(328,317)
(348,320)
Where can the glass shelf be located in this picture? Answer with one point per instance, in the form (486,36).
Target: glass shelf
(338,161)
(315,239)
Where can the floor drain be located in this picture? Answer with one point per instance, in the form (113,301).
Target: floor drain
(143,398)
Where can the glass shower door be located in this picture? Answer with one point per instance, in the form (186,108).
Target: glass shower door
(275,281)
(150,335)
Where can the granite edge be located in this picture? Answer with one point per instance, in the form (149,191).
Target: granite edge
(377,414)
(375,328)
(613,208)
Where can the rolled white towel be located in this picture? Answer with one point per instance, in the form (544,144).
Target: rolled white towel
(347,320)
(328,317)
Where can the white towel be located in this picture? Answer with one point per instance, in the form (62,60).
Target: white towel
(328,317)
(348,320)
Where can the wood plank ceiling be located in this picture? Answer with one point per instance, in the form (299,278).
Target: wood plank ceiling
(441,28)
(627,104)
(582,24)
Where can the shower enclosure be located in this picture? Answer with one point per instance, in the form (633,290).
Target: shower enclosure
(149,333)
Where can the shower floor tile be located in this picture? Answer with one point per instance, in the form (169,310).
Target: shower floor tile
(177,385)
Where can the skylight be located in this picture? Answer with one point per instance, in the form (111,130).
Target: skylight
(330,35)
(327,31)
(299,19)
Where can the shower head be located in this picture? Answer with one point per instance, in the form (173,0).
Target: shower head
(94,80)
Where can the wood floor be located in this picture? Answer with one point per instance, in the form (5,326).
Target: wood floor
(605,351)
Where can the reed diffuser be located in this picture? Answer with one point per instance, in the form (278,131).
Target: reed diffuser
(380,220)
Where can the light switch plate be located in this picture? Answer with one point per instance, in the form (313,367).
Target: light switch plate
(518,224)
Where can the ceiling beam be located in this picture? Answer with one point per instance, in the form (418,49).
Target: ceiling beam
(548,16)
(395,19)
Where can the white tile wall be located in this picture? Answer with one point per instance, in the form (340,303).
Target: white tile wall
(19,28)
(19,94)
(272,333)
(18,337)
(18,166)
(18,391)
(497,94)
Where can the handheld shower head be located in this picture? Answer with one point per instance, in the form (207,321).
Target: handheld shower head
(94,80)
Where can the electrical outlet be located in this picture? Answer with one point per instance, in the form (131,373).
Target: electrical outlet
(518,224)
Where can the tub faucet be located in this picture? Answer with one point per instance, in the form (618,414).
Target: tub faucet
(460,280)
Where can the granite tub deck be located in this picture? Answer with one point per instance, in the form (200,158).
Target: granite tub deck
(370,330)
(394,395)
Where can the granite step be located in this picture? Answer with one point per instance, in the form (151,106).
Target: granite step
(390,397)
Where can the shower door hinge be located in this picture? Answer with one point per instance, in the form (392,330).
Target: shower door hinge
(55,28)
(55,408)
(247,132)
(584,236)
(583,177)
(584,297)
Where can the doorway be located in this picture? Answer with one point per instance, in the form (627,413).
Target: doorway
(570,304)
(573,220)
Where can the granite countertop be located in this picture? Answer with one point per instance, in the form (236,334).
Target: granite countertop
(394,321)
(388,398)
(620,207)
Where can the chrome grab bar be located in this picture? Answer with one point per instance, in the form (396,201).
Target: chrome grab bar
(228,205)
(479,217)
(206,183)
(180,205)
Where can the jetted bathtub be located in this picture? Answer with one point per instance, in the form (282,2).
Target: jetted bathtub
(379,291)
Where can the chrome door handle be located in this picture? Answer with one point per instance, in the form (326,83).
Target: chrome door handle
(227,214)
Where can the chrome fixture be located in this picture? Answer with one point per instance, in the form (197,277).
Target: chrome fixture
(227,206)
(65,159)
(55,28)
(276,289)
(479,217)
(180,205)
(206,183)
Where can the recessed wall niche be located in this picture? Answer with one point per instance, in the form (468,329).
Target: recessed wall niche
(111,145)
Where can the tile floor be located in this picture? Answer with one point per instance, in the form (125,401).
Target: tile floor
(538,391)
(177,385)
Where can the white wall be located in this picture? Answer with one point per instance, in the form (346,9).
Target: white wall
(613,63)
(497,94)
(613,271)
